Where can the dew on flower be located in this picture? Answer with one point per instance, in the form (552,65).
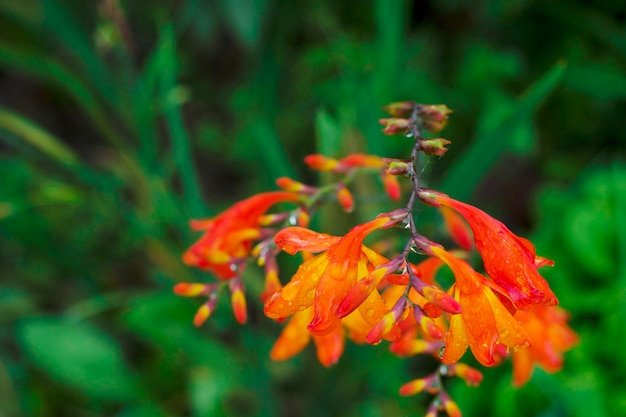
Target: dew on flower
(441,352)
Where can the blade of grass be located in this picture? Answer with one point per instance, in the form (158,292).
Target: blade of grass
(60,22)
(328,134)
(180,140)
(51,72)
(37,137)
(270,150)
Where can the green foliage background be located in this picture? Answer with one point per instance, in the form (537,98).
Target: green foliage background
(119,120)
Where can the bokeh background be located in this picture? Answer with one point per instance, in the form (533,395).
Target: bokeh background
(120,120)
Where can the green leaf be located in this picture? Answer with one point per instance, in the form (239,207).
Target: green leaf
(605,81)
(328,134)
(78,355)
(206,392)
(246,19)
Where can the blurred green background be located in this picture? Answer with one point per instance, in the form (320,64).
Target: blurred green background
(120,120)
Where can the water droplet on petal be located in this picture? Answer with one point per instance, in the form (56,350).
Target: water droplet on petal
(441,352)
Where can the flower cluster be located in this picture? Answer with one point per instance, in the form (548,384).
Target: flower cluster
(345,289)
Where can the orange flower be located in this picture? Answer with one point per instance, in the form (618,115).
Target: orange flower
(549,336)
(228,237)
(295,337)
(323,281)
(483,321)
(509,260)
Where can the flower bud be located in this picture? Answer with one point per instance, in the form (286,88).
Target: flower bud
(435,146)
(321,163)
(394,217)
(361,160)
(294,186)
(416,386)
(187,289)
(471,376)
(397,167)
(434,116)
(452,409)
(344,196)
(427,324)
(429,197)
(440,299)
(387,323)
(400,108)
(205,311)
(392,186)
(395,126)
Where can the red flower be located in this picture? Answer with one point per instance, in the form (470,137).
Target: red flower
(323,281)
(483,321)
(549,336)
(228,237)
(509,260)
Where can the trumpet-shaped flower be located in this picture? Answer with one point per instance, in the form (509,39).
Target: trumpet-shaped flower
(295,336)
(324,280)
(549,336)
(483,322)
(509,260)
(228,237)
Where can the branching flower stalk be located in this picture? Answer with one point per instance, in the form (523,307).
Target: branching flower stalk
(345,289)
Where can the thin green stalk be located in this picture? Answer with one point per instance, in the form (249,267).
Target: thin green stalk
(37,137)
(180,140)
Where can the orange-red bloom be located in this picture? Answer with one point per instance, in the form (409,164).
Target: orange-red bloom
(323,281)
(295,337)
(509,260)
(483,321)
(228,237)
(549,336)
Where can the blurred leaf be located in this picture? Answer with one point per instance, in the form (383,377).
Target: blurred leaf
(58,20)
(482,69)
(494,139)
(206,392)
(604,81)
(580,396)
(181,148)
(10,404)
(144,410)
(390,46)
(78,355)
(13,303)
(598,24)
(270,151)
(246,18)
